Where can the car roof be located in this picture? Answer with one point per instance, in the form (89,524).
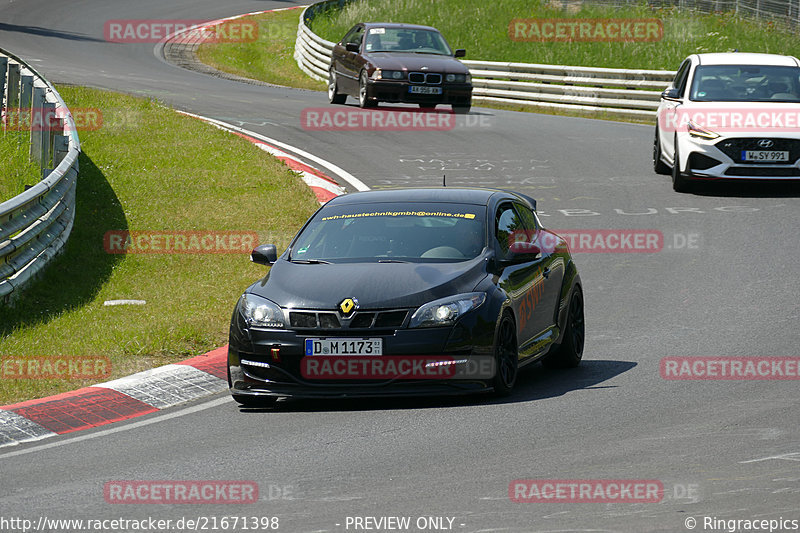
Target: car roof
(457,195)
(397,25)
(747,58)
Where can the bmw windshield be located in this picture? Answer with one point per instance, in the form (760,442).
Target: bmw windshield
(406,40)
(407,232)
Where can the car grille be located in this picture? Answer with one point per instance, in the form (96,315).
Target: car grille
(733,148)
(430,78)
(360,320)
(765,172)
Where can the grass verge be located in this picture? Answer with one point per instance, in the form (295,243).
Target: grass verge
(149,169)
(18,169)
(483,29)
(270,58)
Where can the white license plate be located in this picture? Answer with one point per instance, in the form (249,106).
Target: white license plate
(421,89)
(764,155)
(344,346)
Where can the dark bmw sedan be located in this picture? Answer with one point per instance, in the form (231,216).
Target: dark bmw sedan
(407,292)
(381,62)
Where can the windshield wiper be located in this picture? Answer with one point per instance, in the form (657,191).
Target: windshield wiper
(309,261)
(391,261)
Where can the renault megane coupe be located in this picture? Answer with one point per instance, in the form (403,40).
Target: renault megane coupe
(407,292)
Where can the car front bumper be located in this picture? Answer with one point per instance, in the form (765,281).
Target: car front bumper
(459,94)
(721,158)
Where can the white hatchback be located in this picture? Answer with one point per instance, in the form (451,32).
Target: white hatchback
(730,116)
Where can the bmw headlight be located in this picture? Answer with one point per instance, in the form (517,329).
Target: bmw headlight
(458,78)
(446,311)
(696,130)
(260,312)
(389,74)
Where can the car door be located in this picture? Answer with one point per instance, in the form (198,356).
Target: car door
(668,109)
(347,62)
(553,268)
(523,281)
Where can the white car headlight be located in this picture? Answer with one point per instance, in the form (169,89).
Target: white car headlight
(696,130)
(446,311)
(260,312)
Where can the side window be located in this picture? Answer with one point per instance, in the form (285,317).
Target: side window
(527,216)
(354,36)
(508,224)
(681,76)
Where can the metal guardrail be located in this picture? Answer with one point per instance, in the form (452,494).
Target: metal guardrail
(35,225)
(622,92)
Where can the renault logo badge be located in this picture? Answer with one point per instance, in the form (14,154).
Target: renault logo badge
(348,305)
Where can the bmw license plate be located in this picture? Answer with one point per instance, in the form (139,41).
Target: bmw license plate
(765,155)
(422,89)
(344,346)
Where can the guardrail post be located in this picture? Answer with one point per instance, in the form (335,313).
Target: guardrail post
(48,123)
(12,92)
(3,67)
(36,125)
(26,91)
(60,148)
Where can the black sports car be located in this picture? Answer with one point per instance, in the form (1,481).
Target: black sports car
(382,62)
(407,292)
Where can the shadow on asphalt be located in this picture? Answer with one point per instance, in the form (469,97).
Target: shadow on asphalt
(749,189)
(533,383)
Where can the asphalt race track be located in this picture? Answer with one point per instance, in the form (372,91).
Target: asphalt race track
(725,283)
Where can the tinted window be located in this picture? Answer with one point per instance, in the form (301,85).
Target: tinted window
(509,227)
(415,232)
(680,77)
(354,35)
(745,83)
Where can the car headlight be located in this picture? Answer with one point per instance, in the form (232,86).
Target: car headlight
(260,312)
(388,74)
(458,78)
(446,311)
(696,130)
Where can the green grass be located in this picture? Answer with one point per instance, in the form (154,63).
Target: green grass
(270,58)
(482,28)
(18,169)
(149,169)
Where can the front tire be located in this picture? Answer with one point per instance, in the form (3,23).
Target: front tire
(506,357)
(334,96)
(461,109)
(363,94)
(679,182)
(658,165)
(570,353)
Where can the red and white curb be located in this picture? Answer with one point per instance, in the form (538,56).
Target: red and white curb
(121,399)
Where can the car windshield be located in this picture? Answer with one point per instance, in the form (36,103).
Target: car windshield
(393,232)
(745,83)
(406,40)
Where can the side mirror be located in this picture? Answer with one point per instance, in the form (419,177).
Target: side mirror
(671,93)
(351,47)
(264,254)
(460,53)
